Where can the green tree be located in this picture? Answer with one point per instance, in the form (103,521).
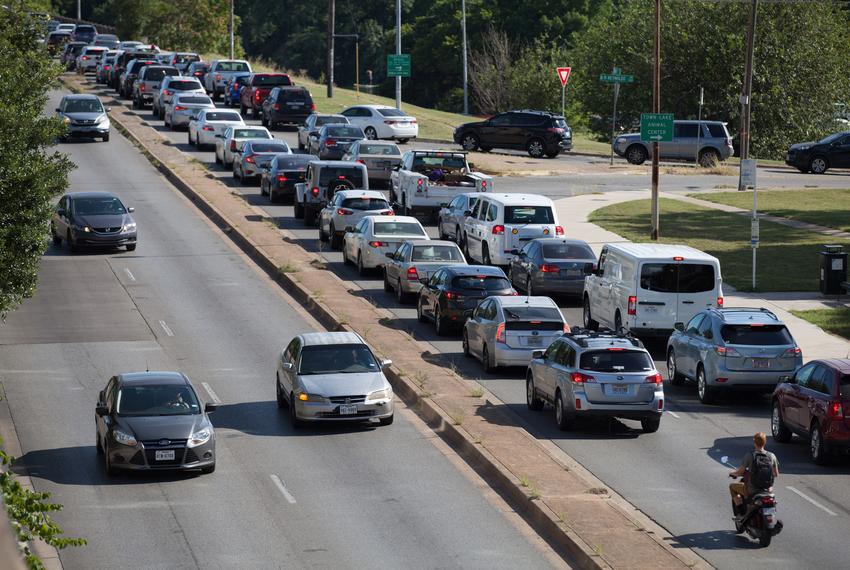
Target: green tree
(189,25)
(31,173)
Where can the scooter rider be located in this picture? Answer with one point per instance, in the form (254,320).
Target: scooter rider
(759,468)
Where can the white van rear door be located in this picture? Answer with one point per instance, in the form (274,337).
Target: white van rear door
(657,301)
(698,288)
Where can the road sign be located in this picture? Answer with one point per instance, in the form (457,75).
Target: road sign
(656,127)
(748,173)
(564,75)
(754,229)
(398,65)
(616,78)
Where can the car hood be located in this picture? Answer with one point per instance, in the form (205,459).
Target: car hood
(802,145)
(103,220)
(629,137)
(469,125)
(331,385)
(84,116)
(162,427)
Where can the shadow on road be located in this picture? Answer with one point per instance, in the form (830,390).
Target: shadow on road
(793,457)
(714,540)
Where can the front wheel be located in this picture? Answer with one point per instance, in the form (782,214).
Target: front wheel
(636,154)
(293,415)
(777,427)
(534,403)
(387,421)
(673,374)
(535,148)
(818,165)
(589,323)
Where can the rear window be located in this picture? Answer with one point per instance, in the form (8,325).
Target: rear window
(269,147)
(330,120)
(481,283)
(223,116)
(295,161)
(677,277)
(385,149)
(717,130)
(85,28)
(426,253)
(522,313)
(845,386)
(349,132)
(200,66)
(158,73)
(296,95)
(392,113)
(559,122)
(365,203)
(272,80)
(397,229)
(185,58)
(353,175)
(200,100)
(232,66)
(567,251)
(529,215)
(184,85)
(251,134)
(618,360)
(767,335)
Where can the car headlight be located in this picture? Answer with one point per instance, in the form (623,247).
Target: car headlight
(67,120)
(130,226)
(384,394)
(102,119)
(124,438)
(315,398)
(805,147)
(200,437)
(80,228)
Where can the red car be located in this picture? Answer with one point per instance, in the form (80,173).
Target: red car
(257,88)
(815,403)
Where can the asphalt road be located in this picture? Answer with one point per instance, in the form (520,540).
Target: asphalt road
(676,475)
(332,497)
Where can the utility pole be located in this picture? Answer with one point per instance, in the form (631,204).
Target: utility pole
(656,108)
(463,34)
(232,31)
(398,51)
(330,70)
(79,10)
(747,89)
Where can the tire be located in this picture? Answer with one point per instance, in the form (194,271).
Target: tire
(371,133)
(309,215)
(534,403)
(650,425)
(535,148)
(361,270)
(107,464)
(673,374)
(293,417)
(636,154)
(217,159)
(281,401)
(618,322)
(466,253)
(345,260)
(298,210)
(243,110)
(765,538)
(387,287)
(72,247)
(489,365)
(562,420)
(106,138)
(403,141)
(465,344)
(485,255)
(458,237)
(97,446)
(589,323)
(323,236)
(817,448)
(387,421)
(131,247)
(400,295)
(208,469)
(56,239)
(818,165)
(470,142)
(707,394)
(264,121)
(486,148)
(336,239)
(553,154)
(420,316)
(778,429)
(709,158)
(439,325)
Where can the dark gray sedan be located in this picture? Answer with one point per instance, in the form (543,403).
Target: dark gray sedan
(313,123)
(92,219)
(154,421)
(283,173)
(333,141)
(552,265)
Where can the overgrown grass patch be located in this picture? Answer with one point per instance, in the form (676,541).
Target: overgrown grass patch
(835,321)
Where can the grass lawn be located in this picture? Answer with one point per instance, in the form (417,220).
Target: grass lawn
(835,321)
(825,207)
(788,259)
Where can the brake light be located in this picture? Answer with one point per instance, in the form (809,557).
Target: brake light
(360,161)
(256,95)
(484,185)
(344,212)
(378,243)
(412,274)
(726,351)
(550,268)
(632,305)
(559,230)
(232,146)
(498,230)
(413,121)
(250,158)
(312,106)
(207,128)
(85,58)
(198,73)
(330,142)
(169,92)
(451,295)
(420,182)
(218,76)
(276,106)
(835,410)
(720,301)
(315,190)
(142,87)
(106,68)
(500,333)
(793,351)
(281,178)
(389,122)
(388,213)
(579,378)
(678,258)
(654,379)
(566,328)
(768,501)
(555,130)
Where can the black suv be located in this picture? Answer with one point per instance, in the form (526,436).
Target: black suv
(818,157)
(537,132)
(287,105)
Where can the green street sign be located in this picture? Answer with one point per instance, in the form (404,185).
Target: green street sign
(656,127)
(611,78)
(398,65)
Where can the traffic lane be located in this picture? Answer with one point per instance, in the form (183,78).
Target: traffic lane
(359,493)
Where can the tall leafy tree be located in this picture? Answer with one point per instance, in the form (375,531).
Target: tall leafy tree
(31,172)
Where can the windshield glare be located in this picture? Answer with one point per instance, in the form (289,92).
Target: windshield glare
(367,204)
(392,113)
(83,106)
(98,206)
(532,313)
(481,283)
(157,400)
(616,361)
(398,228)
(223,117)
(426,253)
(337,359)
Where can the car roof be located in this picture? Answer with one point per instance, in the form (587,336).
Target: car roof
(81,97)
(569,241)
(362,193)
(153,377)
(464,270)
(429,242)
(840,364)
(746,315)
(516,301)
(339,163)
(320,338)
(90,194)
(662,251)
(518,199)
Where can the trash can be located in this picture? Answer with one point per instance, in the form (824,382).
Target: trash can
(833,269)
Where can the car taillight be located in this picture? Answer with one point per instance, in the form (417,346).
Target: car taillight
(378,243)
(281,178)
(207,128)
(484,185)
(388,213)
(720,301)
(250,158)
(420,184)
(726,351)
(559,230)
(793,351)
(500,333)
(344,212)
(218,76)
(330,142)
(276,106)
(498,230)
(179,108)
(106,68)
(550,268)
(632,305)
(566,328)
(555,130)
(390,122)
(232,146)
(256,95)
(360,161)
(413,121)
(315,190)
(451,295)
(579,378)
(198,73)
(768,501)
(85,58)
(412,274)
(142,87)
(312,106)
(654,379)
(169,92)
(835,410)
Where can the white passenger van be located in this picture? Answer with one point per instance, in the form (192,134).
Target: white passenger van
(646,288)
(499,225)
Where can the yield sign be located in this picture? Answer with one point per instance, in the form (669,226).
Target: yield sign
(564,75)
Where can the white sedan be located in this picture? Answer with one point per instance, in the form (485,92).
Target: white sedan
(374,236)
(383,122)
(346,209)
(231,141)
(212,122)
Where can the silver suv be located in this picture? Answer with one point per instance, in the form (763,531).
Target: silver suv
(596,373)
(708,140)
(731,348)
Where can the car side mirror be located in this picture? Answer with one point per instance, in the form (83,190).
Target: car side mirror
(708,335)
(102,411)
(58,110)
(787,380)
(471,166)
(349,229)
(467,213)
(61,212)
(390,255)
(679,326)
(423,280)
(218,136)
(210,407)
(397,167)
(288,366)
(514,252)
(538,354)
(314,135)
(386,363)
(107,109)
(444,205)
(131,209)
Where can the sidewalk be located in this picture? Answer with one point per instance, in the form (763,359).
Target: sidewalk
(813,341)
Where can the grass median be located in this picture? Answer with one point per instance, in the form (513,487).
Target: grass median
(835,321)
(828,207)
(788,258)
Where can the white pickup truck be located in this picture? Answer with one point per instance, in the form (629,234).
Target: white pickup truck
(428,179)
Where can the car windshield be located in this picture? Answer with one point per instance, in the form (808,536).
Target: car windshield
(426,253)
(232,66)
(353,175)
(186,57)
(157,400)
(98,206)
(529,215)
(331,119)
(677,277)
(392,112)
(522,313)
(758,335)
(184,85)
(616,360)
(831,138)
(349,132)
(269,147)
(481,283)
(200,100)
(251,134)
(398,229)
(567,251)
(272,80)
(223,116)
(365,203)
(337,359)
(382,149)
(83,106)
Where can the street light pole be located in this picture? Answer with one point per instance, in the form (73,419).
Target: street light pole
(656,108)
(232,32)
(79,10)
(330,68)
(747,89)
(465,76)
(398,51)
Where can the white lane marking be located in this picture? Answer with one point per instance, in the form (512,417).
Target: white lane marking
(282,488)
(167,330)
(213,395)
(674,414)
(812,501)
(129,274)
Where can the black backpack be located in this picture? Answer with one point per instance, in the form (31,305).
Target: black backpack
(761,472)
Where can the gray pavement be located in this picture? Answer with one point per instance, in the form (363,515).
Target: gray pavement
(675,475)
(186,300)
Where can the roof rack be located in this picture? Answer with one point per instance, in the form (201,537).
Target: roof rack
(744,309)
(582,335)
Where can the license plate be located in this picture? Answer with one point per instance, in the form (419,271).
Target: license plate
(650,309)
(572,272)
(534,341)
(165,455)
(296,104)
(347,409)
(620,389)
(761,363)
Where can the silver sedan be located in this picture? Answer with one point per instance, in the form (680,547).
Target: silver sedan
(255,156)
(380,157)
(346,209)
(182,109)
(333,376)
(416,260)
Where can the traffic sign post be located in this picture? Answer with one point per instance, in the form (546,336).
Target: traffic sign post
(564,76)
(616,77)
(398,65)
(656,127)
(748,178)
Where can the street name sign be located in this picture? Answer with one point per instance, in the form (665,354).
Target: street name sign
(612,78)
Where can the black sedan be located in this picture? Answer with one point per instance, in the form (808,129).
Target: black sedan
(552,266)
(818,157)
(154,421)
(283,173)
(93,219)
